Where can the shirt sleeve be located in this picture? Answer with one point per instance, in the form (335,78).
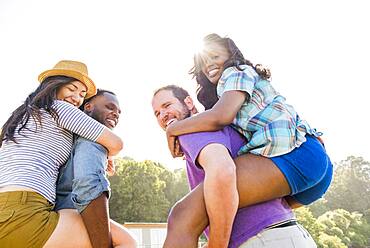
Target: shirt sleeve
(89,165)
(192,144)
(76,121)
(242,80)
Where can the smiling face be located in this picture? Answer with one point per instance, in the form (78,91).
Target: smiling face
(167,108)
(73,92)
(105,109)
(213,60)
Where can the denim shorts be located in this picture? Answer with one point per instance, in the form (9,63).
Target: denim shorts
(308,170)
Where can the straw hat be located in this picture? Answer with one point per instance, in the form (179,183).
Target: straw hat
(74,69)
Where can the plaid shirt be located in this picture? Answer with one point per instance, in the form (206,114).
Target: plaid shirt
(271,126)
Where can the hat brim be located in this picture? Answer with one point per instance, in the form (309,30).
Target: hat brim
(90,85)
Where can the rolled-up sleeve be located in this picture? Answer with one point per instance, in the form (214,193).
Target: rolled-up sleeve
(90,181)
(240,80)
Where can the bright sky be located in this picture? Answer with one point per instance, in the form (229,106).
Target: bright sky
(318,52)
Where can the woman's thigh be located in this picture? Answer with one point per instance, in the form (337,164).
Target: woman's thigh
(259,180)
(70,231)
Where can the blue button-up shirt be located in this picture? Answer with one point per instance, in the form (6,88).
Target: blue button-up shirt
(83,178)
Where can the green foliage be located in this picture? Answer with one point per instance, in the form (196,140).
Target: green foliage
(335,229)
(327,241)
(319,207)
(143,191)
(341,218)
(350,188)
(306,219)
(349,227)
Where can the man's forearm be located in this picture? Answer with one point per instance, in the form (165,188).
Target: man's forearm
(96,219)
(221,199)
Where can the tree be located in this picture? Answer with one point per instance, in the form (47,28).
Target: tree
(144,191)
(350,228)
(176,184)
(306,219)
(319,207)
(138,192)
(350,188)
(335,229)
(327,241)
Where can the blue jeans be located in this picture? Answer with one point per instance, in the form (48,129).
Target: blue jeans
(82,179)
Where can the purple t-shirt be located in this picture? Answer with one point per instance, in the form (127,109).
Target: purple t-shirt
(250,220)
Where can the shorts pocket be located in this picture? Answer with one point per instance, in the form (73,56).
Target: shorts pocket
(6,215)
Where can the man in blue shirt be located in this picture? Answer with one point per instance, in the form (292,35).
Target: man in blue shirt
(82,182)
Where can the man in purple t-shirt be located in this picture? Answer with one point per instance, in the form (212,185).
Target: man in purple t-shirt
(209,166)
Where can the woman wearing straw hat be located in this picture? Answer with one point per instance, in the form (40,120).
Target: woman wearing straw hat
(34,142)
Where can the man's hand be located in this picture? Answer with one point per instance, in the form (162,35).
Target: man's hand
(173,143)
(111,168)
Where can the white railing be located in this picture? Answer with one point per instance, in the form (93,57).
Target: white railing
(149,235)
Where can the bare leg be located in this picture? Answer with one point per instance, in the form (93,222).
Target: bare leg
(258,180)
(121,237)
(292,202)
(255,171)
(187,220)
(71,232)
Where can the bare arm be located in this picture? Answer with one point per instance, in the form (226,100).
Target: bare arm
(221,115)
(96,219)
(220,192)
(111,142)
(86,179)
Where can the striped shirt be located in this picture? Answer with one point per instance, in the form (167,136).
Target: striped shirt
(40,150)
(271,126)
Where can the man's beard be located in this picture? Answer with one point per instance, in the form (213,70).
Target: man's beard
(186,112)
(96,115)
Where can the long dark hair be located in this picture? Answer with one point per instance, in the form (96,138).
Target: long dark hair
(206,91)
(41,98)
